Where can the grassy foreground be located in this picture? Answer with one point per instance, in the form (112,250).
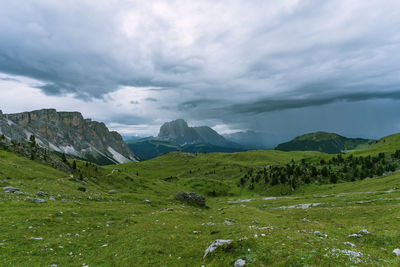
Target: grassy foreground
(142,225)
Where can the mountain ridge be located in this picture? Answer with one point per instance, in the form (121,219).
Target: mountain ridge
(176,135)
(69,133)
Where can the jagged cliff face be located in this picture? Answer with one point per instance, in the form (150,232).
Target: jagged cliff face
(179,132)
(69,133)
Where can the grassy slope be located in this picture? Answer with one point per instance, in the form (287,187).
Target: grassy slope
(124,230)
(325,142)
(389,143)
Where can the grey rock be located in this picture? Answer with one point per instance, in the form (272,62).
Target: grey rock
(52,198)
(41,194)
(191,198)
(240,263)
(215,244)
(396,252)
(318,233)
(112,191)
(35,200)
(4,181)
(10,189)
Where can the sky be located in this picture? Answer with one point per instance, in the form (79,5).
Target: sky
(281,67)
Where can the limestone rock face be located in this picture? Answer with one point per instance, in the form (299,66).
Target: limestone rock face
(180,133)
(69,133)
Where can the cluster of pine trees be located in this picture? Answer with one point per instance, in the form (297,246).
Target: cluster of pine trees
(338,168)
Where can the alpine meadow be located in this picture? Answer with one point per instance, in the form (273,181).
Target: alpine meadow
(199,133)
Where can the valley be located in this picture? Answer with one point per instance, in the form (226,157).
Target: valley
(127,214)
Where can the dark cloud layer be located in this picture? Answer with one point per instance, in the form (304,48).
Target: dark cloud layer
(220,62)
(268,105)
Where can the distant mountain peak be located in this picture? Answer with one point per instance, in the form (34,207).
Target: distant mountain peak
(179,132)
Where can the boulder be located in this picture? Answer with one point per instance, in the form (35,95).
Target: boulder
(396,252)
(10,189)
(191,198)
(41,194)
(239,263)
(215,244)
(35,200)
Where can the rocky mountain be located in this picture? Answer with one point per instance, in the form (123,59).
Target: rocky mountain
(331,143)
(177,135)
(180,133)
(69,133)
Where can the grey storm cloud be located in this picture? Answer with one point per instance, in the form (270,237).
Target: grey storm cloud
(268,105)
(207,59)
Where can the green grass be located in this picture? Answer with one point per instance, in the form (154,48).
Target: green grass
(123,229)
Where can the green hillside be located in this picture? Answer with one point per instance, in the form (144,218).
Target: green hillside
(330,143)
(150,148)
(387,144)
(142,224)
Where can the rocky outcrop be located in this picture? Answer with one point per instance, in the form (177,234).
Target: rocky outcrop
(180,133)
(69,133)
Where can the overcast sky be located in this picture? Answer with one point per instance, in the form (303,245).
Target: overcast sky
(283,67)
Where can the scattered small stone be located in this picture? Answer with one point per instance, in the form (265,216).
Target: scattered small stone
(53,265)
(229,221)
(350,244)
(41,194)
(52,198)
(105,245)
(147,201)
(35,200)
(214,245)
(306,220)
(254,222)
(170,209)
(360,233)
(318,233)
(354,256)
(37,238)
(4,181)
(396,252)
(10,189)
(239,263)
(113,191)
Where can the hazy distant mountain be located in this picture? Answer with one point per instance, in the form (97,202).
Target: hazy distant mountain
(253,140)
(177,135)
(69,133)
(331,143)
(179,132)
